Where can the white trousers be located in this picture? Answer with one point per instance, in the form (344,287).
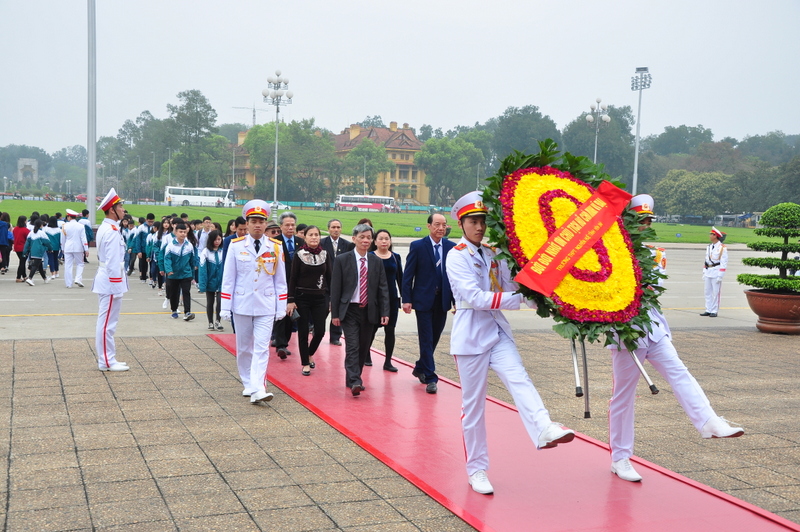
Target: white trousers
(473,371)
(252,350)
(713,293)
(107,318)
(664,358)
(73,259)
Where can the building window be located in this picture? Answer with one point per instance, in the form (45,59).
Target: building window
(394,156)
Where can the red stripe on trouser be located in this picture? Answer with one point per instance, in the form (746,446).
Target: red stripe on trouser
(105,328)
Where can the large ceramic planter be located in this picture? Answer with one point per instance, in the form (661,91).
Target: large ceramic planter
(777,313)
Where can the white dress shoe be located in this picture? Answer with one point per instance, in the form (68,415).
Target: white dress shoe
(79,283)
(30,282)
(246,393)
(115,367)
(480,483)
(554,434)
(260,397)
(718,427)
(624,470)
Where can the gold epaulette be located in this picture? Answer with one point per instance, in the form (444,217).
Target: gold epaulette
(460,246)
(237,239)
(280,242)
(488,246)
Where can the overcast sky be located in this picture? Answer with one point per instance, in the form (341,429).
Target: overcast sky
(731,66)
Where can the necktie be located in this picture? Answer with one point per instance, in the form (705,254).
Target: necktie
(362,279)
(335,248)
(257,244)
(438,257)
(290,247)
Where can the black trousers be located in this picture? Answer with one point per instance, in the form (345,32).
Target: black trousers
(21,267)
(143,268)
(36,266)
(283,332)
(358,337)
(176,287)
(5,255)
(211,299)
(313,309)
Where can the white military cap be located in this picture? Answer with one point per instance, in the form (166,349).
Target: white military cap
(109,201)
(258,208)
(642,203)
(470,204)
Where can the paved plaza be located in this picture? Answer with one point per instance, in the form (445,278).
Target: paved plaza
(171,444)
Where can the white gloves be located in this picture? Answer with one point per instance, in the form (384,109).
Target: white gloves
(225,315)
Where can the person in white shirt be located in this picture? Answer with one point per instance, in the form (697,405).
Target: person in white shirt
(76,248)
(716,262)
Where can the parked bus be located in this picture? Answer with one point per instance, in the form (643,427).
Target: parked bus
(199,197)
(366,203)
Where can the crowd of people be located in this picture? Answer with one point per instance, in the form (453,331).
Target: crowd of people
(271,279)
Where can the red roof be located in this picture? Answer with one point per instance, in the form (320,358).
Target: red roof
(399,139)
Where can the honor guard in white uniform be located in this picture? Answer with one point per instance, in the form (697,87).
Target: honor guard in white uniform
(481,339)
(110,282)
(254,290)
(716,263)
(658,349)
(75,247)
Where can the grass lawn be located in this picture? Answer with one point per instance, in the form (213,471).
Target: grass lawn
(398,224)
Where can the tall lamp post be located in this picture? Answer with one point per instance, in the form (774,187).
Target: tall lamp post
(273,95)
(69,187)
(5,184)
(638,83)
(364,176)
(599,114)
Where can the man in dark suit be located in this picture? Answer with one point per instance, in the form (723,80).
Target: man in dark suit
(426,290)
(334,245)
(291,243)
(359,302)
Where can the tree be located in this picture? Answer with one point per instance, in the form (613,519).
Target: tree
(260,144)
(309,158)
(691,193)
(681,139)
(13,152)
(449,165)
(715,157)
(372,121)
(367,160)
(760,177)
(521,129)
(615,141)
(772,148)
(231,131)
(195,120)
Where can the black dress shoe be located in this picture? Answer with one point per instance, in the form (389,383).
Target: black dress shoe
(712,315)
(418,374)
(390,368)
(282,353)
(706,314)
(356,389)
(431,387)
(335,342)
(368,363)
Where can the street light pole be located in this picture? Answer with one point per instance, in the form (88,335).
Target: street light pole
(639,83)
(273,95)
(599,114)
(169,167)
(365,175)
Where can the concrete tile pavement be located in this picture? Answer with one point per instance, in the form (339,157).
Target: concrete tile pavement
(172,445)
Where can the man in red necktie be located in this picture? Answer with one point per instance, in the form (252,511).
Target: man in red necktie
(359,301)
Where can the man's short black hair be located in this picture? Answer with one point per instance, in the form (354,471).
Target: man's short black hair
(180,225)
(85,212)
(141,220)
(206,218)
(184,215)
(240,220)
(151,216)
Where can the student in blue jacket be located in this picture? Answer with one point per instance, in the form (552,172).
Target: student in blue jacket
(210,277)
(36,247)
(179,266)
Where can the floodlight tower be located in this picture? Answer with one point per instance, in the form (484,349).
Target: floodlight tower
(638,83)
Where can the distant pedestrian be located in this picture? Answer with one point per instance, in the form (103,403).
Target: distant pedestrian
(36,247)
(54,235)
(20,233)
(179,265)
(6,241)
(210,278)
(393,265)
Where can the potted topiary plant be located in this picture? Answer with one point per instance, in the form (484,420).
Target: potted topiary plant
(776,298)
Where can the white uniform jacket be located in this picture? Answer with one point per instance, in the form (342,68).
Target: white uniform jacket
(254,285)
(716,261)
(481,287)
(110,277)
(73,237)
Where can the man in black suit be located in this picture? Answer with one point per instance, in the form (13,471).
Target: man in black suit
(359,302)
(334,245)
(291,243)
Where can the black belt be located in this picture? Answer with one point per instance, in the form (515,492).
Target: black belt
(712,265)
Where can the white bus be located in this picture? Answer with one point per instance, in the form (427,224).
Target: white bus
(199,197)
(365,203)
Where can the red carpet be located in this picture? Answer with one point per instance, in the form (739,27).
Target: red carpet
(569,488)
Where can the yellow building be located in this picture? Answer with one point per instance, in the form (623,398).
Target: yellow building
(405,181)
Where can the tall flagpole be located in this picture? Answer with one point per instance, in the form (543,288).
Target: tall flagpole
(91,141)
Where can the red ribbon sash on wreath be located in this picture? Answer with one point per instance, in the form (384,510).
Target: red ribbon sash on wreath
(568,243)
